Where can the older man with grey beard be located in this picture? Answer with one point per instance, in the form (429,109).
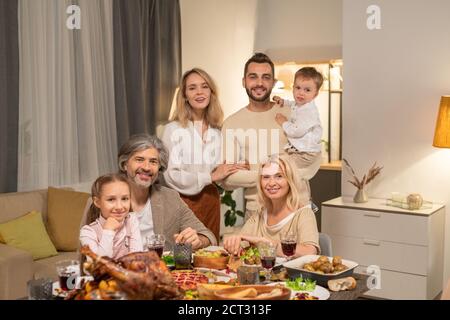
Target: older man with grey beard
(160,210)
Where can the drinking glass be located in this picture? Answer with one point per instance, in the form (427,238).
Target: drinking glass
(156,243)
(268,255)
(182,255)
(68,272)
(40,289)
(288,244)
(248,275)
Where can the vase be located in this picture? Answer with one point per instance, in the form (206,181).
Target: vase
(360,196)
(414,201)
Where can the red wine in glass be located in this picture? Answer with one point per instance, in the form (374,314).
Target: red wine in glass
(288,247)
(158,248)
(63,281)
(268,262)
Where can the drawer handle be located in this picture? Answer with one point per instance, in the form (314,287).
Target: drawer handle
(372,242)
(372,215)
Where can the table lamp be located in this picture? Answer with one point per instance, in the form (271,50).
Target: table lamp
(442,132)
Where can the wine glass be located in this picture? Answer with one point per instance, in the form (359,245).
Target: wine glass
(156,243)
(268,255)
(288,244)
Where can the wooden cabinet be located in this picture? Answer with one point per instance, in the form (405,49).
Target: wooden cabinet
(406,245)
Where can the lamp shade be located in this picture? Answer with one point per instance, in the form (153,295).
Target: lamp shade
(442,132)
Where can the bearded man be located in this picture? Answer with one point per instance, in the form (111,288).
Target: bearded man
(160,210)
(251,134)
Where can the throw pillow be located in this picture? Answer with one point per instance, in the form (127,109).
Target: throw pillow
(28,233)
(65,210)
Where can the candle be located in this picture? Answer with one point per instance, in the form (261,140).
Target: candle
(397,197)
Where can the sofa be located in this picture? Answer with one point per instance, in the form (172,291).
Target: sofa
(17,266)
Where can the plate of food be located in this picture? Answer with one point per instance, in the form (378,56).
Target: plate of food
(253,292)
(248,256)
(188,279)
(304,289)
(320,268)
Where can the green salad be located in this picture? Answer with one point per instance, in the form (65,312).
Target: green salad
(168,260)
(300,284)
(251,255)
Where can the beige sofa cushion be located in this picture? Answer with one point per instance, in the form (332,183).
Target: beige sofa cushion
(17,204)
(65,210)
(16,268)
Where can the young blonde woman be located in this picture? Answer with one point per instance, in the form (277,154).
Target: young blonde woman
(284,209)
(193,139)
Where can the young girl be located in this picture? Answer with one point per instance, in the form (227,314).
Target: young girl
(111,230)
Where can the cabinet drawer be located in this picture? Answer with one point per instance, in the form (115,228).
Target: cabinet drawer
(398,286)
(387,255)
(375,225)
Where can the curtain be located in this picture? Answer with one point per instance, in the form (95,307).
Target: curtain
(9,95)
(67,120)
(147,63)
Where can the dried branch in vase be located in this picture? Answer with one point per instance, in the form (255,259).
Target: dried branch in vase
(373,172)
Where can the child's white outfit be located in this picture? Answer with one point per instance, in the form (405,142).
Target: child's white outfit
(304,133)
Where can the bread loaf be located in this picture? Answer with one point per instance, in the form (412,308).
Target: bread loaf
(342,284)
(206,291)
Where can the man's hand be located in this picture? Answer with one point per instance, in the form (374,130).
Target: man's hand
(279,101)
(280,119)
(112,224)
(191,236)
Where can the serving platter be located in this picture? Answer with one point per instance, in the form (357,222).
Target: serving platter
(295,269)
(320,292)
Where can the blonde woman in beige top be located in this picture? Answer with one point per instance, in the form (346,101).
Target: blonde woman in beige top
(284,208)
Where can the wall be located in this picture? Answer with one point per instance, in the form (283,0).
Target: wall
(394,78)
(218,36)
(300,30)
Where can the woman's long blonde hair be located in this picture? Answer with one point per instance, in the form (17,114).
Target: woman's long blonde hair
(183,110)
(298,195)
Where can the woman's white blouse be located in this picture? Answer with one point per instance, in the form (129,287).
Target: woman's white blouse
(191,158)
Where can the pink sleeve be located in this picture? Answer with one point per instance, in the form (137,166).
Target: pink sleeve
(89,237)
(136,244)
(104,247)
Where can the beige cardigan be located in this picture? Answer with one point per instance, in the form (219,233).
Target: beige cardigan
(303,224)
(171,215)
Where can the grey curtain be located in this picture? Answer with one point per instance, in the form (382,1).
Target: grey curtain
(9,94)
(147,63)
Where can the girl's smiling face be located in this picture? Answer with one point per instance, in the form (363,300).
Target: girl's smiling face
(114,200)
